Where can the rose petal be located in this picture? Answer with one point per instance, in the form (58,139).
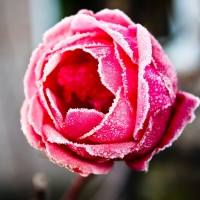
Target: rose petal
(144,54)
(155,130)
(144,46)
(164,68)
(85,11)
(129,76)
(120,34)
(57,108)
(62,156)
(117,125)
(45,102)
(140,164)
(183,114)
(51,65)
(111,151)
(108,68)
(29,78)
(59,32)
(114,16)
(107,151)
(80,121)
(36,114)
(82,40)
(158,94)
(33,138)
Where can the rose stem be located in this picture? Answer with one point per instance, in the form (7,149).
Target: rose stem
(76,187)
(41,184)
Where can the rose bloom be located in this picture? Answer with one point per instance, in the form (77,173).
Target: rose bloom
(100,89)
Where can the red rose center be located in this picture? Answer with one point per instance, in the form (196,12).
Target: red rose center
(81,84)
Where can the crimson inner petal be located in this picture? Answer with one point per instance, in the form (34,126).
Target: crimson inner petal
(81,84)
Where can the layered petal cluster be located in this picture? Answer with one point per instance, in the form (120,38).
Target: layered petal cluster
(100,89)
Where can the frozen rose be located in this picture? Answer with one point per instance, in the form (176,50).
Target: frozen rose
(100,89)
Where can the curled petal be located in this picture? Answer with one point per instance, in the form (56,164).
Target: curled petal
(129,76)
(63,156)
(85,11)
(98,151)
(59,32)
(164,68)
(45,102)
(80,121)
(30,79)
(154,130)
(81,40)
(120,34)
(183,113)
(145,55)
(117,125)
(36,114)
(33,138)
(111,151)
(114,16)
(56,107)
(108,68)
(158,93)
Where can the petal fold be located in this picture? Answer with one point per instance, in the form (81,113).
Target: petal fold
(33,138)
(117,125)
(114,16)
(36,114)
(183,113)
(59,154)
(145,55)
(81,121)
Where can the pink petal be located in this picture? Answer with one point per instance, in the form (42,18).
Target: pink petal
(33,138)
(51,65)
(62,156)
(53,136)
(117,125)
(85,11)
(97,151)
(42,61)
(108,68)
(56,106)
(59,32)
(45,102)
(29,79)
(120,34)
(144,46)
(184,109)
(81,40)
(164,68)
(140,164)
(36,114)
(158,93)
(155,129)
(183,114)
(111,151)
(114,16)
(80,121)
(144,56)
(129,76)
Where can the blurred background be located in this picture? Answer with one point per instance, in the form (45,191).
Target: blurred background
(173,174)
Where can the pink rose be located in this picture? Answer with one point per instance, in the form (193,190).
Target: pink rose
(100,89)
